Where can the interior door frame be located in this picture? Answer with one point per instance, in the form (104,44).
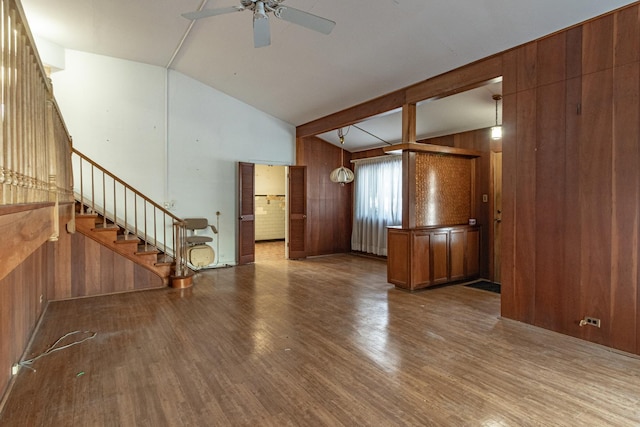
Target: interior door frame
(495,245)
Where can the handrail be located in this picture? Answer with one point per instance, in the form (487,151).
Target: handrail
(103,193)
(35,147)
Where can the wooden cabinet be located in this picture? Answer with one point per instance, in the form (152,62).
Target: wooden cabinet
(422,257)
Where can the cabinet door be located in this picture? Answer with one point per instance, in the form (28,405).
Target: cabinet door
(398,258)
(420,263)
(439,257)
(473,253)
(457,254)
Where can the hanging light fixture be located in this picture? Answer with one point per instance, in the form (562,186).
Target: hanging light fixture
(496,131)
(341,175)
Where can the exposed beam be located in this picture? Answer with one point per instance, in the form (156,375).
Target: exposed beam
(352,115)
(465,78)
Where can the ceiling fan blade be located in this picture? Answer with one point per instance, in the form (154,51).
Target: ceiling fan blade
(305,19)
(205,13)
(261,32)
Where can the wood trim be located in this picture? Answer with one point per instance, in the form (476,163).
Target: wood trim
(408,189)
(11,209)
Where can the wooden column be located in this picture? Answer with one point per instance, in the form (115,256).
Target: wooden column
(408,167)
(409,122)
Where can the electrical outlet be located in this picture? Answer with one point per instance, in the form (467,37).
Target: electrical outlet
(14,369)
(592,321)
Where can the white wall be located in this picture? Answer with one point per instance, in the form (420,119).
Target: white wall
(115,113)
(270,179)
(169,136)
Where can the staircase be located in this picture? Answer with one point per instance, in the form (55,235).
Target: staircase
(127,245)
(117,216)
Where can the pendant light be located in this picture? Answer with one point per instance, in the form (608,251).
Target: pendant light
(341,175)
(496,131)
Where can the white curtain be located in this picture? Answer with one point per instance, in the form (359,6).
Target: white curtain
(377,203)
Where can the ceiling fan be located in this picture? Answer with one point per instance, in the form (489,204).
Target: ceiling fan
(261,33)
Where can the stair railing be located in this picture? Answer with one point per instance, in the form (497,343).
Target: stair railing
(34,143)
(119,204)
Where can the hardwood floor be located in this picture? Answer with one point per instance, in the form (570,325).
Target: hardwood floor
(270,250)
(324,341)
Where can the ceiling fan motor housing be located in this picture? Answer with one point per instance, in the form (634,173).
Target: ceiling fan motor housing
(270,5)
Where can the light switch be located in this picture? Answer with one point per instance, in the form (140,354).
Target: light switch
(485,198)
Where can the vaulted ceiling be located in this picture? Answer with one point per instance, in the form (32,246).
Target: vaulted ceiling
(375,48)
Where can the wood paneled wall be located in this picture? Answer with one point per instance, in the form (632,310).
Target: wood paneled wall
(329,205)
(20,307)
(97,270)
(571,181)
(25,289)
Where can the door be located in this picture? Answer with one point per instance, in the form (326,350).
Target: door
(246,212)
(496,167)
(297,212)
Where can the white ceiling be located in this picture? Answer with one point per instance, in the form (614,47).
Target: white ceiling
(376,47)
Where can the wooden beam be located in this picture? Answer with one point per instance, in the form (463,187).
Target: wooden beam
(352,115)
(462,79)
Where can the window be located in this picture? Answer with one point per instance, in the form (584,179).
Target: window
(377,202)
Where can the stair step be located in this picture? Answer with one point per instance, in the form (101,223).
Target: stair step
(164,259)
(127,238)
(108,227)
(147,252)
(142,250)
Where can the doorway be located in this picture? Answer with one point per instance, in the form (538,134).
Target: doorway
(295,212)
(270,212)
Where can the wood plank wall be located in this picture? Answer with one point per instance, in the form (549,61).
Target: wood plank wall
(329,205)
(97,270)
(25,290)
(571,180)
(20,307)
